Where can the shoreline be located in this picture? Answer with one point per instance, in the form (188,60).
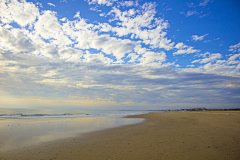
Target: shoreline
(166,135)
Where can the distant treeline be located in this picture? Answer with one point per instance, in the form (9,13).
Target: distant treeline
(205,109)
(236,109)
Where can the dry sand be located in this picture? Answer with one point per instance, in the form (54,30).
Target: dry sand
(170,135)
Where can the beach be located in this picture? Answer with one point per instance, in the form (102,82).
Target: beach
(169,135)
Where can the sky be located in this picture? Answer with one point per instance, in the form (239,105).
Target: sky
(120,55)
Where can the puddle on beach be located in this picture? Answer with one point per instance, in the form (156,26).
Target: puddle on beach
(18,133)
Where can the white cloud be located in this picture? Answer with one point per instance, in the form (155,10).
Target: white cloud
(184,49)
(150,58)
(140,20)
(220,69)
(234,57)
(204,15)
(109,45)
(102,14)
(188,50)
(56,57)
(134,22)
(129,3)
(212,57)
(113,46)
(50,4)
(70,54)
(238,66)
(105,27)
(204,3)
(82,25)
(235,48)
(207,41)
(180,45)
(61,40)
(190,13)
(198,38)
(205,54)
(190,4)
(101,2)
(97,58)
(22,13)
(16,40)
(94,9)
(50,51)
(77,15)
(47,25)
(196,61)
(133,57)
(163,43)
(63,19)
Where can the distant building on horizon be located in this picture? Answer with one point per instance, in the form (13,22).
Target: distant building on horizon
(198,109)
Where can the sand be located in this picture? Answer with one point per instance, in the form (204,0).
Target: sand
(170,135)
(16,133)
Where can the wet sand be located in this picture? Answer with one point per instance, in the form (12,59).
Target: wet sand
(17,133)
(170,135)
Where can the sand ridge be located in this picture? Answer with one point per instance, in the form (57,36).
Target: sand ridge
(168,135)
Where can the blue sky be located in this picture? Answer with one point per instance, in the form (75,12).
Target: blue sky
(114,54)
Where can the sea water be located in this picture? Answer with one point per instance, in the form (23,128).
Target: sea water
(21,113)
(25,127)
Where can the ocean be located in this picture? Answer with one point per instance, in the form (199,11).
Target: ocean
(21,113)
(25,127)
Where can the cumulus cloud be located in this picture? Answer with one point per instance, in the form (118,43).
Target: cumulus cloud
(109,45)
(70,54)
(190,65)
(184,49)
(50,4)
(122,60)
(94,9)
(234,57)
(132,22)
(129,3)
(151,57)
(141,20)
(234,60)
(47,25)
(77,15)
(102,2)
(212,57)
(235,48)
(50,51)
(22,13)
(15,40)
(180,45)
(133,57)
(198,38)
(97,58)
